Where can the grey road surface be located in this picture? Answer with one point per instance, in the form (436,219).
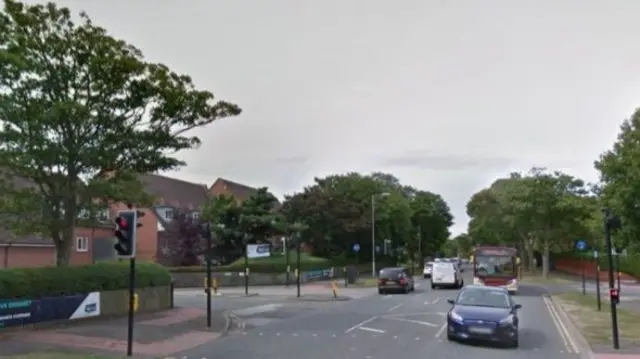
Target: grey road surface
(382,326)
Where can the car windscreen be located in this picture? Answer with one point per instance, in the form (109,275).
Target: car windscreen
(390,273)
(428,264)
(484,298)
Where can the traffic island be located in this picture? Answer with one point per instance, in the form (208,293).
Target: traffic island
(595,325)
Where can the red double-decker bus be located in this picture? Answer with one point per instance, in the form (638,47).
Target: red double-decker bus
(496,266)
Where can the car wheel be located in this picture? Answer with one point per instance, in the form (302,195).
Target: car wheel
(433,286)
(450,337)
(514,343)
(380,291)
(407,289)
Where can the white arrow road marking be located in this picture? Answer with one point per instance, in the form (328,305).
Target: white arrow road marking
(415,322)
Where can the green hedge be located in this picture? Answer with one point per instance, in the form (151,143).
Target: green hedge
(277,267)
(54,281)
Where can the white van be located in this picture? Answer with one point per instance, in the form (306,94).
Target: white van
(446,274)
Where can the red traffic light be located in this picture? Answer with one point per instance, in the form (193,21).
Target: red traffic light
(121,222)
(613,293)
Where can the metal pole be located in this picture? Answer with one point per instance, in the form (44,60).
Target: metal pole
(246,268)
(287,259)
(584,280)
(614,312)
(373,235)
(618,269)
(208,259)
(132,289)
(298,266)
(598,283)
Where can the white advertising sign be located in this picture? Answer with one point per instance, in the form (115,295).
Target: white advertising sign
(90,307)
(258,250)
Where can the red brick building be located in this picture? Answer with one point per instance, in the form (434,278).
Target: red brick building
(93,244)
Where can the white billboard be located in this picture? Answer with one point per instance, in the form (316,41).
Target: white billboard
(258,250)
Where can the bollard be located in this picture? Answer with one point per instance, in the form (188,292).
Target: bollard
(346,278)
(215,286)
(334,288)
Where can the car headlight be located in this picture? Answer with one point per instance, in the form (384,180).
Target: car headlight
(455,317)
(511,282)
(507,320)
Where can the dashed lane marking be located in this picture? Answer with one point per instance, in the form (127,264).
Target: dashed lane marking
(372,330)
(394,307)
(441,330)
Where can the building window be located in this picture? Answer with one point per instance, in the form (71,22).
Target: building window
(168,214)
(82,244)
(195,215)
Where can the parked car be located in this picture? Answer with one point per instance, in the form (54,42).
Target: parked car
(395,279)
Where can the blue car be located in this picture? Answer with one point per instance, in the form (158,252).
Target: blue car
(484,313)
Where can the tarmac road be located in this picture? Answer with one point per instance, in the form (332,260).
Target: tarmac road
(385,327)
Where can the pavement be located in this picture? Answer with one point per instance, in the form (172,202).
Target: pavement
(155,334)
(379,326)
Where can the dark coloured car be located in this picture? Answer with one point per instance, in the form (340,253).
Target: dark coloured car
(484,313)
(395,280)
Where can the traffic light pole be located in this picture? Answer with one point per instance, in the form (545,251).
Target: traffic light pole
(609,222)
(246,269)
(132,289)
(298,265)
(209,279)
(287,259)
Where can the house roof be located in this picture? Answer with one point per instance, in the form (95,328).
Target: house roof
(239,190)
(175,192)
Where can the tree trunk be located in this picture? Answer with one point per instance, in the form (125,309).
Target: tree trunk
(545,257)
(63,252)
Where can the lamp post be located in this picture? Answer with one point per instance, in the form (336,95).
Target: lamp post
(373,230)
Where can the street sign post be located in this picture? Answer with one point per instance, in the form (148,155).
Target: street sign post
(356,247)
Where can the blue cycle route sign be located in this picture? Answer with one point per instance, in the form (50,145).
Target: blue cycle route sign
(581,245)
(356,247)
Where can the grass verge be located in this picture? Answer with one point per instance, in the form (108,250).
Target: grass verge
(596,325)
(537,278)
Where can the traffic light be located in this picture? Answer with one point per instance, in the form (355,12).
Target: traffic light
(614,296)
(125,232)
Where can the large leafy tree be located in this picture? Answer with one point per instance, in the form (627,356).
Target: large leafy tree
(222,213)
(81,114)
(538,211)
(620,175)
(338,211)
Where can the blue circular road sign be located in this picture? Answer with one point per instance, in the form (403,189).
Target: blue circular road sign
(356,247)
(581,245)
(377,248)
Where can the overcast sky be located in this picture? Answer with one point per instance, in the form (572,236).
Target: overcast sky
(446,95)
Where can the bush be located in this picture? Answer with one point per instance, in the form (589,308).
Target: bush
(55,281)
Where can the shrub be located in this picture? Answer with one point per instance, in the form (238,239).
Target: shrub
(54,281)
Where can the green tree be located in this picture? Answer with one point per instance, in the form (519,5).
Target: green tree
(223,215)
(620,175)
(82,113)
(259,220)
(540,211)
(338,211)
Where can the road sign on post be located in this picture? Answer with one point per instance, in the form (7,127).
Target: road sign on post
(356,247)
(581,245)
(378,249)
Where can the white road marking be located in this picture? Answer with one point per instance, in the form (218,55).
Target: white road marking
(361,324)
(441,330)
(295,334)
(277,334)
(372,330)
(435,301)
(412,314)
(562,329)
(386,296)
(417,338)
(394,307)
(415,321)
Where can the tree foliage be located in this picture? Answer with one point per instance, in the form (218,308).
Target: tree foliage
(338,212)
(234,224)
(82,113)
(619,170)
(538,211)
(185,243)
